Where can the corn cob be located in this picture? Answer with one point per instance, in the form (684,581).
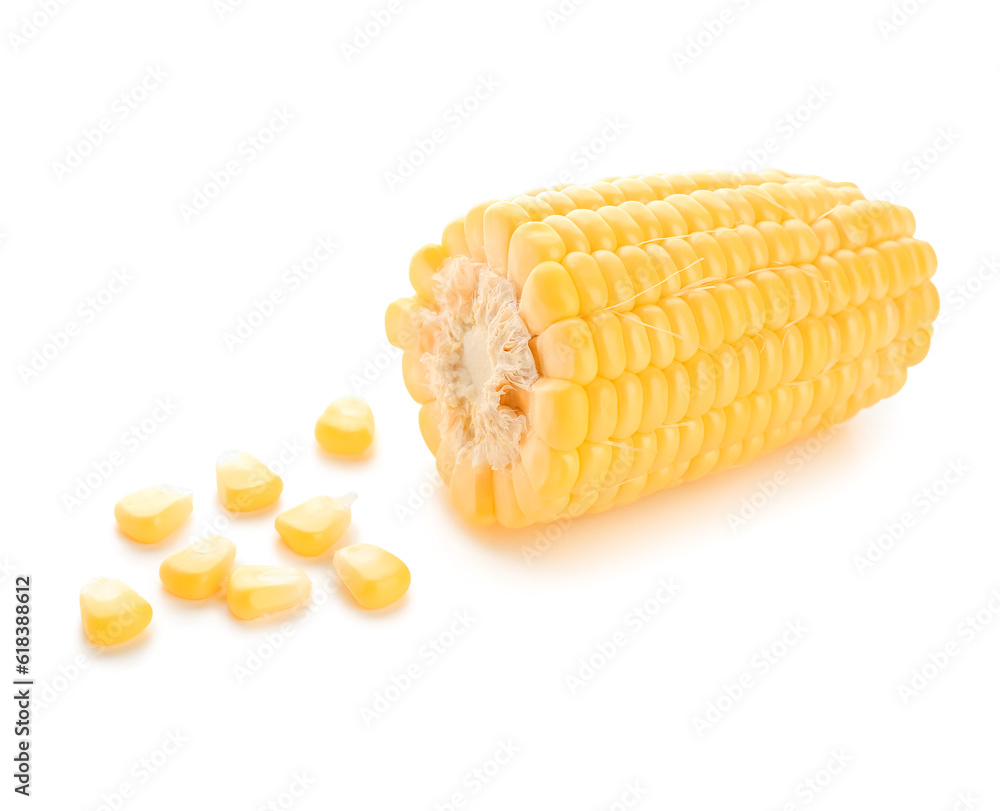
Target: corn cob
(578,347)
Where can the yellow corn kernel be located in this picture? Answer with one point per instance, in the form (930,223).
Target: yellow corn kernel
(112,612)
(552,473)
(423,266)
(430,425)
(315,525)
(401,324)
(645,331)
(629,391)
(415,378)
(346,427)
(375,577)
(558,413)
(566,350)
(508,512)
(472,492)
(500,222)
(254,591)
(636,340)
(548,295)
(151,514)
(535,506)
(531,245)
(200,569)
(595,462)
(588,280)
(245,483)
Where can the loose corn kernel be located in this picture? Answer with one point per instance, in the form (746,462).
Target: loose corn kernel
(197,571)
(257,590)
(346,427)
(151,514)
(112,612)
(245,483)
(375,577)
(315,525)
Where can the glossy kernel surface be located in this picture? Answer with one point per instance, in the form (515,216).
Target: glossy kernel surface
(375,577)
(112,612)
(197,571)
(346,427)
(254,591)
(245,483)
(313,526)
(151,514)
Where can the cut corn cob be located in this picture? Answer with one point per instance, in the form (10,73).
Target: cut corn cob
(579,347)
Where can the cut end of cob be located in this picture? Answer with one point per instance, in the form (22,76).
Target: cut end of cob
(477,361)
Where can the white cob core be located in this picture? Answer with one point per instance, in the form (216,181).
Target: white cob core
(479,357)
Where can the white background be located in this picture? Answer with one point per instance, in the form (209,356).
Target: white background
(102,720)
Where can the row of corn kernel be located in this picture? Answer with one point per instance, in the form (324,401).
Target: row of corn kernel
(647,188)
(810,198)
(727,456)
(737,432)
(564,412)
(499,220)
(543,472)
(583,283)
(586,286)
(784,416)
(509,231)
(580,283)
(608,343)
